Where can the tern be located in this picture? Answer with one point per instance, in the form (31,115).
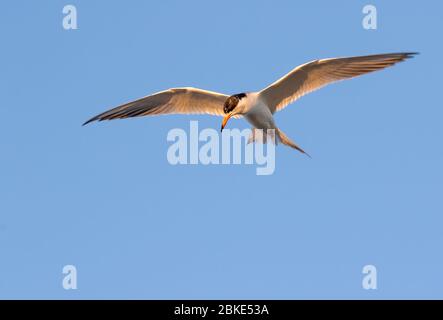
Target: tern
(257,107)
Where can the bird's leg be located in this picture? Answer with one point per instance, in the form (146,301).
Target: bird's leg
(252,136)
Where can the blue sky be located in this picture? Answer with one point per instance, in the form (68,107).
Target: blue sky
(105,199)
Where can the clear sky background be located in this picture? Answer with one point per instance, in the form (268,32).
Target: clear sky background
(105,199)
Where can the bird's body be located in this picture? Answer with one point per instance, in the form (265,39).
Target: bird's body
(257,107)
(255,110)
(258,113)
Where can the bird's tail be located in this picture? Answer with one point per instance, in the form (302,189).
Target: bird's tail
(286,141)
(273,136)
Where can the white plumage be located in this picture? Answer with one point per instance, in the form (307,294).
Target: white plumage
(257,107)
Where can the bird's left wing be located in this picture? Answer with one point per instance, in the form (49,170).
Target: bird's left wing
(172,101)
(318,73)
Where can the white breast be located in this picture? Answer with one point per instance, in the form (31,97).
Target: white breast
(258,114)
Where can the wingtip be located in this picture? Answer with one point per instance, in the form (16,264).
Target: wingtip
(85,123)
(91,120)
(409,55)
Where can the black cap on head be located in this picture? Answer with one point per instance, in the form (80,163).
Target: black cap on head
(232,102)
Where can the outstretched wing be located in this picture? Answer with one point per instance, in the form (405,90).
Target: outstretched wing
(319,73)
(172,101)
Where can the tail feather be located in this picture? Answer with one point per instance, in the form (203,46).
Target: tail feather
(276,135)
(286,141)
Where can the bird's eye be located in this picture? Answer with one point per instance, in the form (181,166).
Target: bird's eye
(230,104)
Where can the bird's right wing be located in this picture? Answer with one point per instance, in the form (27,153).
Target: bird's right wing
(319,73)
(172,101)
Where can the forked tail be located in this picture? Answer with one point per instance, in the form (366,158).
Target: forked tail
(286,141)
(261,136)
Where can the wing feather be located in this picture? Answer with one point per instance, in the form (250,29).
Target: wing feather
(319,73)
(172,101)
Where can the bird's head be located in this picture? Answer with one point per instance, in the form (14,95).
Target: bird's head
(232,107)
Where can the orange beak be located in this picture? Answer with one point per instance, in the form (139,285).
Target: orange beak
(225,121)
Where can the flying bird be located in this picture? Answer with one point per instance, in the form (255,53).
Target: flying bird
(257,107)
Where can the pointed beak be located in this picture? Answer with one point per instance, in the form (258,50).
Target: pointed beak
(225,121)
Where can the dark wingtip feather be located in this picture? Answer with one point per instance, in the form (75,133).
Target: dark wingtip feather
(409,55)
(99,117)
(89,121)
